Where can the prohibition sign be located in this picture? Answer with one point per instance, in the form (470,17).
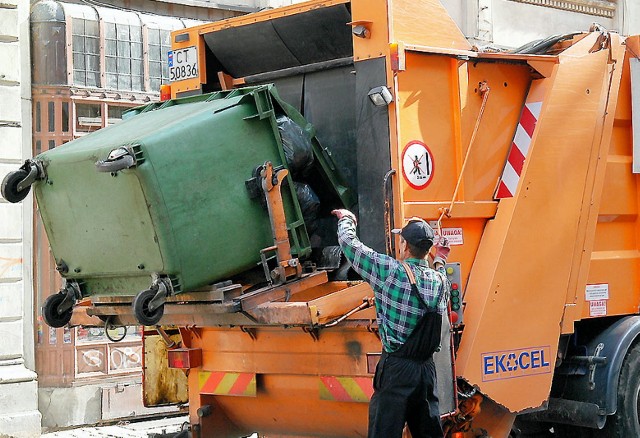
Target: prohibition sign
(417,164)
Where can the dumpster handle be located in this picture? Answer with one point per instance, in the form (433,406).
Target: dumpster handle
(116,165)
(118,159)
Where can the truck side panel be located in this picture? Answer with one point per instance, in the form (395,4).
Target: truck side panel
(545,222)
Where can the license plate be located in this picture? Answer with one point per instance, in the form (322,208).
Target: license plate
(183,64)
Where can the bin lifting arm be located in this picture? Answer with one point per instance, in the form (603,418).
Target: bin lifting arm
(288,266)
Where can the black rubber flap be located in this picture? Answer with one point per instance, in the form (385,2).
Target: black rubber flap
(306,38)
(329,105)
(373,152)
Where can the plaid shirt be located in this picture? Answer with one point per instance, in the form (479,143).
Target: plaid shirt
(398,310)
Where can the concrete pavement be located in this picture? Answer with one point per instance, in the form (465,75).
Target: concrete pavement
(137,429)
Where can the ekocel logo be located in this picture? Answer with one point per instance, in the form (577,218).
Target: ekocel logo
(510,364)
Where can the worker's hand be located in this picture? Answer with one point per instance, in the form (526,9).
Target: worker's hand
(442,251)
(340,213)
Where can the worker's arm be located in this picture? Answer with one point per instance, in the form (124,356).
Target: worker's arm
(442,248)
(364,260)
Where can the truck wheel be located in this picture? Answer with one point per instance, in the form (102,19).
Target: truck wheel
(141,308)
(10,183)
(50,311)
(626,421)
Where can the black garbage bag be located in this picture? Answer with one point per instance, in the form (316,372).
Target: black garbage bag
(297,146)
(309,204)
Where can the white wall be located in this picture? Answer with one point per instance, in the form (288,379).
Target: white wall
(628,17)
(511,24)
(19,416)
(515,24)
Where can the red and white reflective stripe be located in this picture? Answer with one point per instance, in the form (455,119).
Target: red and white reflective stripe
(519,148)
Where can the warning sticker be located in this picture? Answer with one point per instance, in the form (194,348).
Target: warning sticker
(454,235)
(417,164)
(597,292)
(598,308)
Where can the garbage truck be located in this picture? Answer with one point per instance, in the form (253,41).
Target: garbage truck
(526,160)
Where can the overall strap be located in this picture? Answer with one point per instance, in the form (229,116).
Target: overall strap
(424,340)
(412,280)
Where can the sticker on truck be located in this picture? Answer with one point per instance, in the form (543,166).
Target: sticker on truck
(227,383)
(183,64)
(455,236)
(523,362)
(597,292)
(346,389)
(417,164)
(598,308)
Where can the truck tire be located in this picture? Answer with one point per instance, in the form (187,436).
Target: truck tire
(626,421)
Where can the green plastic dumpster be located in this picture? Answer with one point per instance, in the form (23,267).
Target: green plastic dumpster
(158,204)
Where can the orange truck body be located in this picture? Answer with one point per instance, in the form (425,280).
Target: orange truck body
(529,172)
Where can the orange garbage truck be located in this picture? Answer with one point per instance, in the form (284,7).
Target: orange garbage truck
(526,160)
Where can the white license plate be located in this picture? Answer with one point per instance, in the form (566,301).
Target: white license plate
(183,64)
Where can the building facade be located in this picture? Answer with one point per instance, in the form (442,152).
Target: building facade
(19,414)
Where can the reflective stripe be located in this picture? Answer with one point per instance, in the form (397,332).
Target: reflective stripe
(519,149)
(346,389)
(221,383)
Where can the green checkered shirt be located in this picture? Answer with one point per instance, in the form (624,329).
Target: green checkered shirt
(398,310)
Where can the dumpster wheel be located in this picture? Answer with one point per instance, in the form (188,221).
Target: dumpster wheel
(50,311)
(10,190)
(141,308)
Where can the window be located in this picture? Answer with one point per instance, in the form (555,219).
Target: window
(123,57)
(115,113)
(89,335)
(51,116)
(65,116)
(159,46)
(86,52)
(88,117)
(38,117)
(96,355)
(110,48)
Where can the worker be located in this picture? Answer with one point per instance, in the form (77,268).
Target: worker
(411,300)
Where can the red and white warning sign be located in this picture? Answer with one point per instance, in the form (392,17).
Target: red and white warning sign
(455,236)
(598,308)
(417,164)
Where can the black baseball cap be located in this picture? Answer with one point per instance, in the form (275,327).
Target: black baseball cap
(417,232)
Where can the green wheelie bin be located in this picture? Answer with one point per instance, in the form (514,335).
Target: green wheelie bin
(158,204)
